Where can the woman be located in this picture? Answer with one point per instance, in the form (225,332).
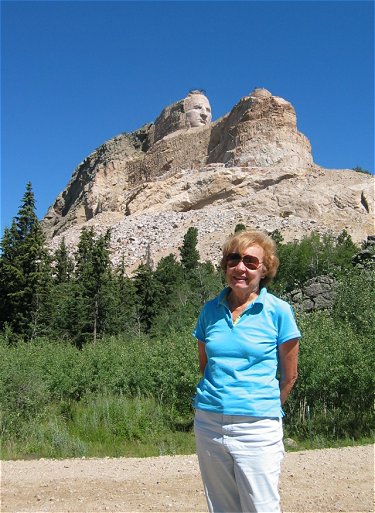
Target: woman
(246,337)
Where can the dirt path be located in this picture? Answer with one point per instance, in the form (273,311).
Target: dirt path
(329,480)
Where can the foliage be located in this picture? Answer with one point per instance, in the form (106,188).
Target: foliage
(333,396)
(359,169)
(43,375)
(188,252)
(313,256)
(64,265)
(239,227)
(355,301)
(149,294)
(25,272)
(277,236)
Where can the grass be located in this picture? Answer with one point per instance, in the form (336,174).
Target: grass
(100,426)
(110,426)
(53,440)
(320,442)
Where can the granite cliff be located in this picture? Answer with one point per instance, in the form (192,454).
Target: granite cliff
(251,166)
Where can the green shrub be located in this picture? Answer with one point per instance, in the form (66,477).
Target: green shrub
(355,301)
(124,396)
(23,393)
(333,396)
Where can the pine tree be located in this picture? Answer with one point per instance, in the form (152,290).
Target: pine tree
(169,274)
(64,265)
(24,271)
(188,252)
(92,272)
(10,275)
(148,291)
(120,304)
(240,227)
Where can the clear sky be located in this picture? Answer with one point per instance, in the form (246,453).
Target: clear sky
(75,74)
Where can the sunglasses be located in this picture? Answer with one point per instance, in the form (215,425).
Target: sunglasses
(251,262)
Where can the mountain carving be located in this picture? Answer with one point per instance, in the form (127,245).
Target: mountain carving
(251,166)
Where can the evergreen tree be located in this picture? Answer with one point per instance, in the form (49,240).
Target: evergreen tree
(121,304)
(169,274)
(240,227)
(24,271)
(188,252)
(10,276)
(149,295)
(92,272)
(344,252)
(26,219)
(208,282)
(64,265)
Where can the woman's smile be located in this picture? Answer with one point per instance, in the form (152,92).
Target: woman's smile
(243,280)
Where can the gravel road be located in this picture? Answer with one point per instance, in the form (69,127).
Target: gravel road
(327,480)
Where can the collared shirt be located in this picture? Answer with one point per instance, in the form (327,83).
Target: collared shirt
(240,377)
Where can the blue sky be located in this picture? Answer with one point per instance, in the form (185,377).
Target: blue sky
(75,74)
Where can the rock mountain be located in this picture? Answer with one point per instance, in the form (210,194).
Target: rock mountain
(251,166)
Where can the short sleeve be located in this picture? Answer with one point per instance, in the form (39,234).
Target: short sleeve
(200,328)
(287,326)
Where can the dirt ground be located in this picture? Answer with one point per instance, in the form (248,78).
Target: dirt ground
(328,480)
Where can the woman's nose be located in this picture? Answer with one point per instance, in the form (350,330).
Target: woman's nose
(241,265)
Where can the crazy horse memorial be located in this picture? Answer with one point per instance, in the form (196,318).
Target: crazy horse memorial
(251,166)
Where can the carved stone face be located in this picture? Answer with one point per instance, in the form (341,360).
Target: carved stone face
(197,109)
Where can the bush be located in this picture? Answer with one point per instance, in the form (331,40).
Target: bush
(59,401)
(333,396)
(355,301)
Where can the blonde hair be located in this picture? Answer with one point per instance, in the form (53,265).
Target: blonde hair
(240,241)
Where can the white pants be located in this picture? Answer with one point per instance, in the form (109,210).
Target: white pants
(239,459)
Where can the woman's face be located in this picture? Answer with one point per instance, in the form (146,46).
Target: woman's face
(241,278)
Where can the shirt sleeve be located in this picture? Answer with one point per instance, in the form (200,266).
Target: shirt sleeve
(287,326)
(200,328)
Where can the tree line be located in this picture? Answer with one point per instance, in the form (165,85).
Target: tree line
(82,297)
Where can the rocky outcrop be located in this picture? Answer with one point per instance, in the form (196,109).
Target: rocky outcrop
(316,294)
(260,131)
(319,293)
(251,166)
(365,259)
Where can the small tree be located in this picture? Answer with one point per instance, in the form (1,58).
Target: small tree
(64,265)
(359,169)
(188,252)
(148,291)
(121,304)
(240,227)
(277,236)
(92,271)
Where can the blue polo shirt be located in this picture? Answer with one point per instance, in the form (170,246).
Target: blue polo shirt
(242,357)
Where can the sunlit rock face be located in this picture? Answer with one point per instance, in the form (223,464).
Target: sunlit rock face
(260,131)
(251,166)
(194,111)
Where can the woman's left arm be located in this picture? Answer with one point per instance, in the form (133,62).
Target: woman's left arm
(288,365)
